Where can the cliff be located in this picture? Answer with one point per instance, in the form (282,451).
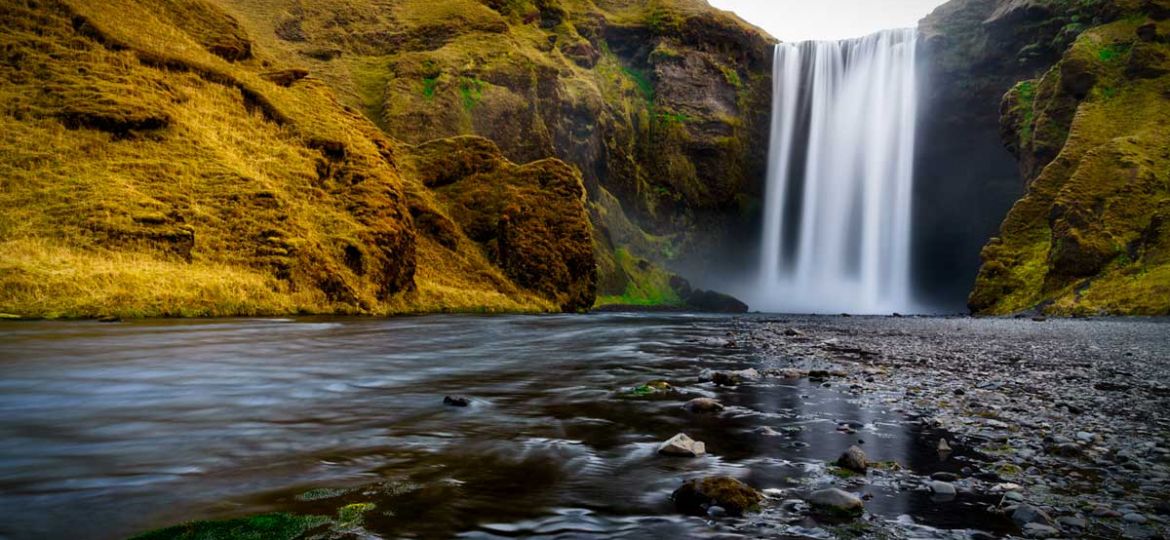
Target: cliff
(662,105)
(160,162)
(1084,103)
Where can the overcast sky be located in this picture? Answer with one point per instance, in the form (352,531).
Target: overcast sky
(799,20)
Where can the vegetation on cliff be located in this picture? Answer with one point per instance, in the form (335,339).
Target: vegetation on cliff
(661,104)
(1091,234)
(158,163)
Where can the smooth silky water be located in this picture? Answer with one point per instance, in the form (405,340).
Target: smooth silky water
(111,430)
(838,205)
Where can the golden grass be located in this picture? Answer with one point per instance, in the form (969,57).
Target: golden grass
(42,280)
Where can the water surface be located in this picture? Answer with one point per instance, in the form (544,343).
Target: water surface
(113,429)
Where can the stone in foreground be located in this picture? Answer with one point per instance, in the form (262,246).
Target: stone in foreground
(703,405)
(696,497)
(456,401)
(854,459)
(682,446)
(836,503)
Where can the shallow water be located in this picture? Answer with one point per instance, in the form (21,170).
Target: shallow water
(113,429)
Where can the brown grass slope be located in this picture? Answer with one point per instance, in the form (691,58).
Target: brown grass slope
(156,163)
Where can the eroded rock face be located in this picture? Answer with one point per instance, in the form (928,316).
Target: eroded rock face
(1087,238)
(662,104)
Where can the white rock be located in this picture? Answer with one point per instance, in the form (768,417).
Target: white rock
(683,446)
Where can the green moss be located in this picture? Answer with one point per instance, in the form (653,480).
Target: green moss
(429,85)
(649,285)
(351,515)
(262,527)
(470,92)
(641,81)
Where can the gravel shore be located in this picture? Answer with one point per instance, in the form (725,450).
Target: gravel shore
(1067,419)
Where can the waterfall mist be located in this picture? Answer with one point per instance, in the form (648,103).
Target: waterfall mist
(838,203)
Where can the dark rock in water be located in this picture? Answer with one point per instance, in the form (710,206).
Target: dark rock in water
(109,319)
(703,405)
(698,497)
(707,301)
(715,302)
(456,401)
(836,503)
(944,477)
(854,459)
(682,445)
(1026,514)
(765,431)
(792,332)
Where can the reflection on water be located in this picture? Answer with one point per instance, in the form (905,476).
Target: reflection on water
(110,430)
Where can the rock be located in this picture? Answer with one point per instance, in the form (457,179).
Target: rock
(1026,514)
(716,512)
(456,401)
(1071,522)
(734,378)
(109,319)
(944,449)
(715,302)
(1036,530)
(682,446)
(1134,517)
(765,431)
(942,489)
(701,497)
(791,332)
(1085,437)
(944,476)
(836,502)
(854,459)
(703,405)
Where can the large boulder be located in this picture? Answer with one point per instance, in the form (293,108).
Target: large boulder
(697,496)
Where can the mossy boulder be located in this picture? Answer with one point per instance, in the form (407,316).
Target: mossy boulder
(696,496)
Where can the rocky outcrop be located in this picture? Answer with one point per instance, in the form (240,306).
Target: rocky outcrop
(661,105)
(1087,238)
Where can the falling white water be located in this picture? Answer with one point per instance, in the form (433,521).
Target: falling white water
(836,232)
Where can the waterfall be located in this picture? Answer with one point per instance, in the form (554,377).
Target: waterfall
(836,232)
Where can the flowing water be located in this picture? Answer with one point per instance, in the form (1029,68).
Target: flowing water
(111,430)
(836,234)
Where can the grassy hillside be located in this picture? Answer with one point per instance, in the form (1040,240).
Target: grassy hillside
(158,162)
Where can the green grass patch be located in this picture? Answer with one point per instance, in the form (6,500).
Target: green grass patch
(429,85)
(262,527)
(470,92)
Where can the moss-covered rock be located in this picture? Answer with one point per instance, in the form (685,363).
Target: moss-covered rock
(734,496)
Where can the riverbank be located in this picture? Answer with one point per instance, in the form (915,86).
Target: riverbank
(1069,418)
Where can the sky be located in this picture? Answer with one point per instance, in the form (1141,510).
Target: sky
(800,20)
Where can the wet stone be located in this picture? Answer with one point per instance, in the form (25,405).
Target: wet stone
(836,502)
(703,405)
(716,496)
(854,459)
(456,401)
(682,445)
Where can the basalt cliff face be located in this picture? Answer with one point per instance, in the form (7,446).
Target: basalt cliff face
(1085,101)
(246,157)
